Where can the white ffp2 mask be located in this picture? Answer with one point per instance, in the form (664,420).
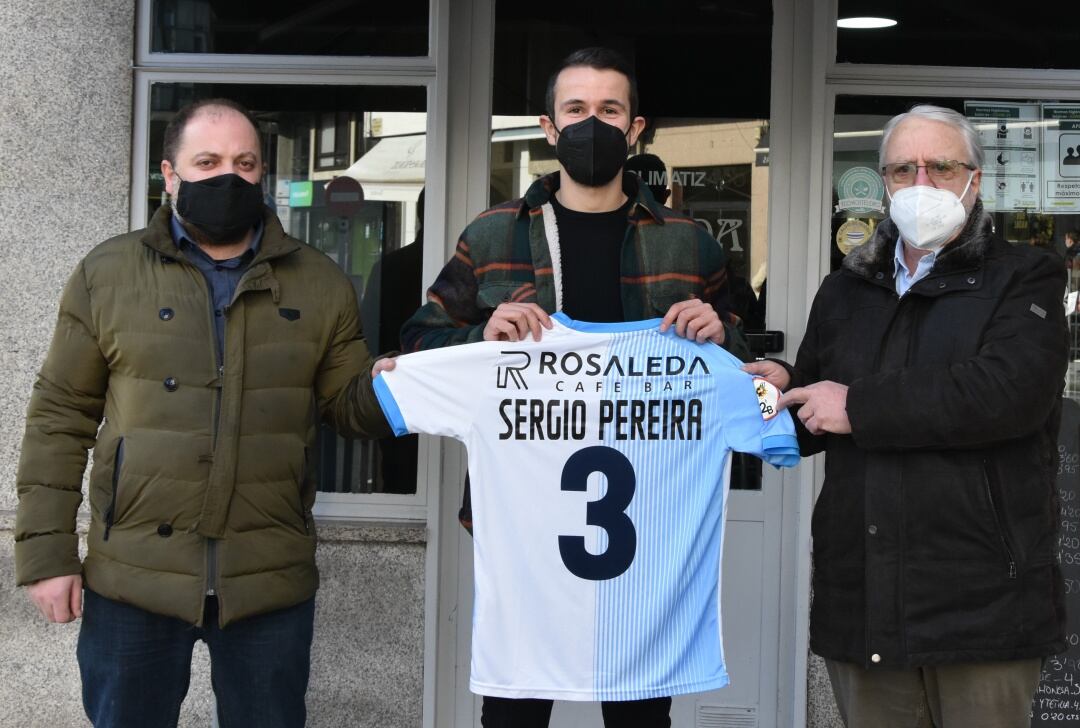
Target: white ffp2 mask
(928,217)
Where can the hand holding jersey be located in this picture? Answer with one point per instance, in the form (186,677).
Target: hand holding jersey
(693,319)
(823,404)
(771,371)
(515,321)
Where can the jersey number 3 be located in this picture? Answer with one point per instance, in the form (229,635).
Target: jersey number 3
(608,513)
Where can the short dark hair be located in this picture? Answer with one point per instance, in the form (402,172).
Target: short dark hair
(175,130)
(652,171)
(600,58)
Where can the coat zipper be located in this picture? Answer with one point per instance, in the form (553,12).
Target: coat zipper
(218,363)
(219,359)
(110,514)
(211,566)
(998,522)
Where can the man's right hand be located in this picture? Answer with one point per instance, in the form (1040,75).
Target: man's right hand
(514,321)
(58,598)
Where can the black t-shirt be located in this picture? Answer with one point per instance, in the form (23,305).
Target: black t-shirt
(590,247)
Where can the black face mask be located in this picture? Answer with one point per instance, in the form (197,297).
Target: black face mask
(224,208)
(591,152)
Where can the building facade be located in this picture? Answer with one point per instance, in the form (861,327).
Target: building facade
(767,118)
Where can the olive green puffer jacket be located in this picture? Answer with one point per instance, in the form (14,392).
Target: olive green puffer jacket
(203,477)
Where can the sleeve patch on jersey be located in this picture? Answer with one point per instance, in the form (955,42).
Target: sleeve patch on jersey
(767,395)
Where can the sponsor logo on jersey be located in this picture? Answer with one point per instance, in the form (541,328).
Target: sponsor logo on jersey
(508,373)
(512,368)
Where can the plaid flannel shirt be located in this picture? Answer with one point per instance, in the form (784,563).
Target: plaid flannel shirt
(510,253)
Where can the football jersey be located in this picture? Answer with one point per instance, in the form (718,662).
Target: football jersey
(599,459)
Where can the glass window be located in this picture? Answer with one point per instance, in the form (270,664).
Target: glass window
(1030,181)
(713,142)
(333,141)
(321,28)
(669,45)
(934,33)
(375,135)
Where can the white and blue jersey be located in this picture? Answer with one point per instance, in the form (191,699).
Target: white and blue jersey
(599,460)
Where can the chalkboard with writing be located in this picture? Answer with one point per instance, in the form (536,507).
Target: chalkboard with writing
(1057,699)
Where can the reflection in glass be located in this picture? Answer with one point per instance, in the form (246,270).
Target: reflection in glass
(311,135)
(319,28)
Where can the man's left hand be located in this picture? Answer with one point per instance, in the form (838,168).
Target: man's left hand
(824,407)
(695,319)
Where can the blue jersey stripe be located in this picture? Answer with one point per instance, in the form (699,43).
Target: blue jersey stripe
(656,624)
(389,406)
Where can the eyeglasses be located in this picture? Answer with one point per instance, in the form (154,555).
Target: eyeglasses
(938,170)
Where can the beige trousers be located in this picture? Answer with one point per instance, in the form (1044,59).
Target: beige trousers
(969,695)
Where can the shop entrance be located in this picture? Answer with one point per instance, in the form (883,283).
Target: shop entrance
(714,151)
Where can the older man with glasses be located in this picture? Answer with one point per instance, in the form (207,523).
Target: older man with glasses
(931,376)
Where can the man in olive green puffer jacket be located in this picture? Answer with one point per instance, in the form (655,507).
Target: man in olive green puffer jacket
(206,347)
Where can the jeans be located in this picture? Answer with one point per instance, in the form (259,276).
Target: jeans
(136,665)
(533,713)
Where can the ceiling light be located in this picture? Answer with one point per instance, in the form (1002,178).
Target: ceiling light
(865,23)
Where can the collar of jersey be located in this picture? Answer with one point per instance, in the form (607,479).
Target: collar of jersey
(608,328)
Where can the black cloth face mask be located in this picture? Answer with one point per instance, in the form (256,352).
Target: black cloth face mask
(224,208)
(591,152)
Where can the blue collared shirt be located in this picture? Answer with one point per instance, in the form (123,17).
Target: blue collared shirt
(904,278)
(222,276)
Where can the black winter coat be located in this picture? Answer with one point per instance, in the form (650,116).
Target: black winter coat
(935,535)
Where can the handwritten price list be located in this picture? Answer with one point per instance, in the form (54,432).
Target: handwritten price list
(1057,699)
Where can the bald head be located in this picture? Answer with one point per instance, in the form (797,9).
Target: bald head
(215,109)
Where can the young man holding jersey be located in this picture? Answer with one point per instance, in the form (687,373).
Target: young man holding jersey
(592,242)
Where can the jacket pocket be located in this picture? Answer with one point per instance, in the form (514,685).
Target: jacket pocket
(300,491)
(999,523)
(110,512)
(955,607)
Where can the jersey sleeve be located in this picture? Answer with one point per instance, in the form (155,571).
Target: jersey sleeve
(753,424)
(433,392)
